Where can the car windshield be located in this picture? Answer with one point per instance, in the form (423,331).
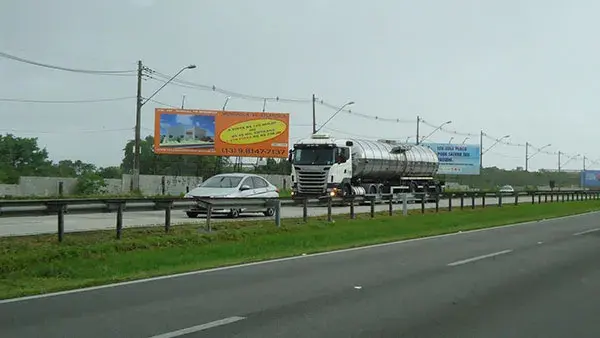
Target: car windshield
(222,182)
(314,156)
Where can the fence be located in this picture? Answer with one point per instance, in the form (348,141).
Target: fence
(463,200)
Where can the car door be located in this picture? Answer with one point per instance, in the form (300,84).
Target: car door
(250,192)
(260,186)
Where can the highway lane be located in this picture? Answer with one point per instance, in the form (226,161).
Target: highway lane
(539,279)
(18,226)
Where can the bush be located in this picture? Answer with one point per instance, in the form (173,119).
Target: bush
(90,184)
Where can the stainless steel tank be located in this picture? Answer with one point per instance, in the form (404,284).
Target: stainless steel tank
(377,159)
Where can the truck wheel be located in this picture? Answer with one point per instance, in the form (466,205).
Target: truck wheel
(346,190)
(269,212)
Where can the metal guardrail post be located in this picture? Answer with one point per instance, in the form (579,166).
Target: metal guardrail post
(552,197)
(539,195)
(462,201)
(352,214)
(450,202)
(305,209)
(167,217)
(532,198)
(60,188)
(545,198)
(423,203)
(437,202)
(500,200)
(329,218)
(372,208)
(390,206)
(278,213)
(208,217)
(404,204)
(563,197)
(516,199)
(61,222)
(119,220)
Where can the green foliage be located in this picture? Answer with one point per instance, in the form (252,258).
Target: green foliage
(21,156)
(493,178)
(90,183)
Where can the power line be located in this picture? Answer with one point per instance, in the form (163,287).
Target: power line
(81,131)
(366,116)
(68,101)
(74,70)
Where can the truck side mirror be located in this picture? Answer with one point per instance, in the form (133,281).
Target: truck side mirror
(290,156)
(349,143)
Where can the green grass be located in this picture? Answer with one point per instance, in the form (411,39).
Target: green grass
(38,264)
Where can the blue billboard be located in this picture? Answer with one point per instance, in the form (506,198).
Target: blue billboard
(590,178)
(457,159)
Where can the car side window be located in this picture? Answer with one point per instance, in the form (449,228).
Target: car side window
(248,181)
(259,182)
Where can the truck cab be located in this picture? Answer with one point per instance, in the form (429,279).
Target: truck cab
(321,166)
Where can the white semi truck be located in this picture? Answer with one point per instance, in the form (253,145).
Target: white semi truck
(324,166)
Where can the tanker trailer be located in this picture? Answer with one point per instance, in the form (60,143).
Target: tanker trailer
(324,166)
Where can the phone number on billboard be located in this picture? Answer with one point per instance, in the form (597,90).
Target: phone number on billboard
(253,152)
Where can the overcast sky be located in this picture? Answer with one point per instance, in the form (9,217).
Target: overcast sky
(528,68)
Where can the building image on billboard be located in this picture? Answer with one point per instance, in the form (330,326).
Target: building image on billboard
(457,159)
(222,133)
(187,131)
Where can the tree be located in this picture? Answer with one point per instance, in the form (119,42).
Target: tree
(21,156)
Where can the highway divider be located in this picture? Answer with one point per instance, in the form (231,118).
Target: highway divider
(61,207)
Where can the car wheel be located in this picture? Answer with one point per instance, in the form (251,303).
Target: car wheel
(191,214)
(234,213)
(269,212)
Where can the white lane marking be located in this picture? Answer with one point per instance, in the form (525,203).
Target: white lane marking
(586,232)
(473,259)
(278,260)
(201,327)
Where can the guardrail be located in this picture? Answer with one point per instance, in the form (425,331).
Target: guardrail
(12,208)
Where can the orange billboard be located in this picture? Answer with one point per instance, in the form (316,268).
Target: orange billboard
(221,133)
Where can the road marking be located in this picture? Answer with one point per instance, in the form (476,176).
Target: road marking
(201,327)
(473,259)
(278,260)
(586,232)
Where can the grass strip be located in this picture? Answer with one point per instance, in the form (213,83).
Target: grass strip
(38,264)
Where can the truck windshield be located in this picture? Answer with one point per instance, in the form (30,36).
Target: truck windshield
(314,156)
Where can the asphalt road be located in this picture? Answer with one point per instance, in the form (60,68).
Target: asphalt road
(18,226)
(539,279)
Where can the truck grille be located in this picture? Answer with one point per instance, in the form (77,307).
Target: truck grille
(312,182)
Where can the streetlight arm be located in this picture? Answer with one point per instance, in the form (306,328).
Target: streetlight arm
(166,83)
(495,143)
(433,132)
(334,114)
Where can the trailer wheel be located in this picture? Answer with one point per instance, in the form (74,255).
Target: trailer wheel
(346,190)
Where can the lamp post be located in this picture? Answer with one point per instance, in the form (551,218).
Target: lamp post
(488,149)
(334,114)
(138,121)
(528,157)
(436,129)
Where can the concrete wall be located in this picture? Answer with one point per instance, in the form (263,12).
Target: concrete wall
(149,185)
(9,190)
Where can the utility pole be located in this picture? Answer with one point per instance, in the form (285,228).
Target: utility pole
(481,150)
(526,156)
(314,100)
(559,161)
(584,158)
(182,101)
(138,121)
(418,123)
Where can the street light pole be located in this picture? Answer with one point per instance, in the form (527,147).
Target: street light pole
(436,129)
(138,121)
(492,146)
(528,157)
(314,100)
(334,114)
(418,123)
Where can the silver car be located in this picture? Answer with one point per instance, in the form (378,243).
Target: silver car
(235,185)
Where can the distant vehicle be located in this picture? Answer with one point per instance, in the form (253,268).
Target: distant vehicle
(234,185)
(507,189)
